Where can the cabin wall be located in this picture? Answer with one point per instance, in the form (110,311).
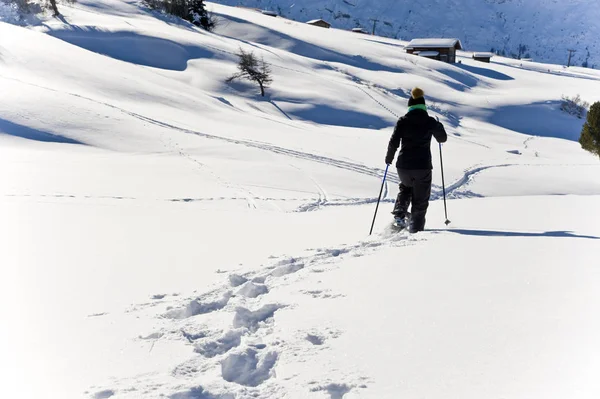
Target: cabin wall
(321,24)
(445,54)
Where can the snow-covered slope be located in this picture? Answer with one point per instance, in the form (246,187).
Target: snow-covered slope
(166,234)
(548,28)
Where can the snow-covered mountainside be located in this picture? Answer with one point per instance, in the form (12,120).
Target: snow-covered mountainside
(547,28)
(165,234)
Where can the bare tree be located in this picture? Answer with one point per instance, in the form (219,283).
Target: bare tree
(251,68)
(55,7)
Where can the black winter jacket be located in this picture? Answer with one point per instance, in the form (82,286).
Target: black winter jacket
(415,129)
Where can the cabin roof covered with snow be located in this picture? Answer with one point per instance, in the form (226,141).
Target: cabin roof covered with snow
(435,43)
(483,55)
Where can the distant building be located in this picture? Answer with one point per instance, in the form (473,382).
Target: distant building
(437,49)
(483,57)
(269,13)
(360,30)
(320,22)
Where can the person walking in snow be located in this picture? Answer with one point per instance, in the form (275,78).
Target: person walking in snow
(414,130)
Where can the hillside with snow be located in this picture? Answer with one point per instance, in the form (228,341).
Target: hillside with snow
(166,234)
(546,28)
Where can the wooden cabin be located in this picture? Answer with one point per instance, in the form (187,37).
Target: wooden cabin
(437,49)
(360,30)
(483,57)
(319,22)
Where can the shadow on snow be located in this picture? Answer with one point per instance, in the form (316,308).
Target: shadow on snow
(133,47)
(269,37)
(538,119)
(325,114)
(16,130)
(492,233)
(488,73)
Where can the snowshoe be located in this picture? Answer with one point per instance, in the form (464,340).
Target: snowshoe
(401,223)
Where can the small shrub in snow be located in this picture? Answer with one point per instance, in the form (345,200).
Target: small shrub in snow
(251,68)
(574,106)
(590,135)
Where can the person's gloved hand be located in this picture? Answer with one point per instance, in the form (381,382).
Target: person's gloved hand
(389,160)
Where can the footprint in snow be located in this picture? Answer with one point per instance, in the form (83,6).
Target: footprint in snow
(199,393)
(197,307)
(251,320)
(222,345)
(326,294)
(155,335)
(335,391)
(107,393)
(252,290)
(319,339)
(246,368)
(193,337)
(315,339)
(235,280)
(287,269)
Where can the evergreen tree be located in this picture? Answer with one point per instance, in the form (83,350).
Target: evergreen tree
(590,135)
(199,16)
(178,7)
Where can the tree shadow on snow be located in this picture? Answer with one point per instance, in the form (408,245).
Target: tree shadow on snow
(133,47)
(328,115)
(488,73)
(538,119)
(25,132)
(460,80)
(492,233)
(269,37)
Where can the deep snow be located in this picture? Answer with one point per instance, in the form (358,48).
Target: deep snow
(165,234)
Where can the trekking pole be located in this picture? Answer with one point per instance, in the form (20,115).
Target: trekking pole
(447,222)
(379,199)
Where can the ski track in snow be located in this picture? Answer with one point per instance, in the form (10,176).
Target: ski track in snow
(245,354)
(173,146)
(452,191)
(346,165)
(321,201)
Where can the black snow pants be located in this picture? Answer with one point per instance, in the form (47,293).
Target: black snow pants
(415,188)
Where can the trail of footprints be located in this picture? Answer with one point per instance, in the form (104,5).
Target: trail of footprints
(245,353)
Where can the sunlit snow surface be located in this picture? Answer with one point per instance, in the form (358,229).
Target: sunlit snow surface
(166,234)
